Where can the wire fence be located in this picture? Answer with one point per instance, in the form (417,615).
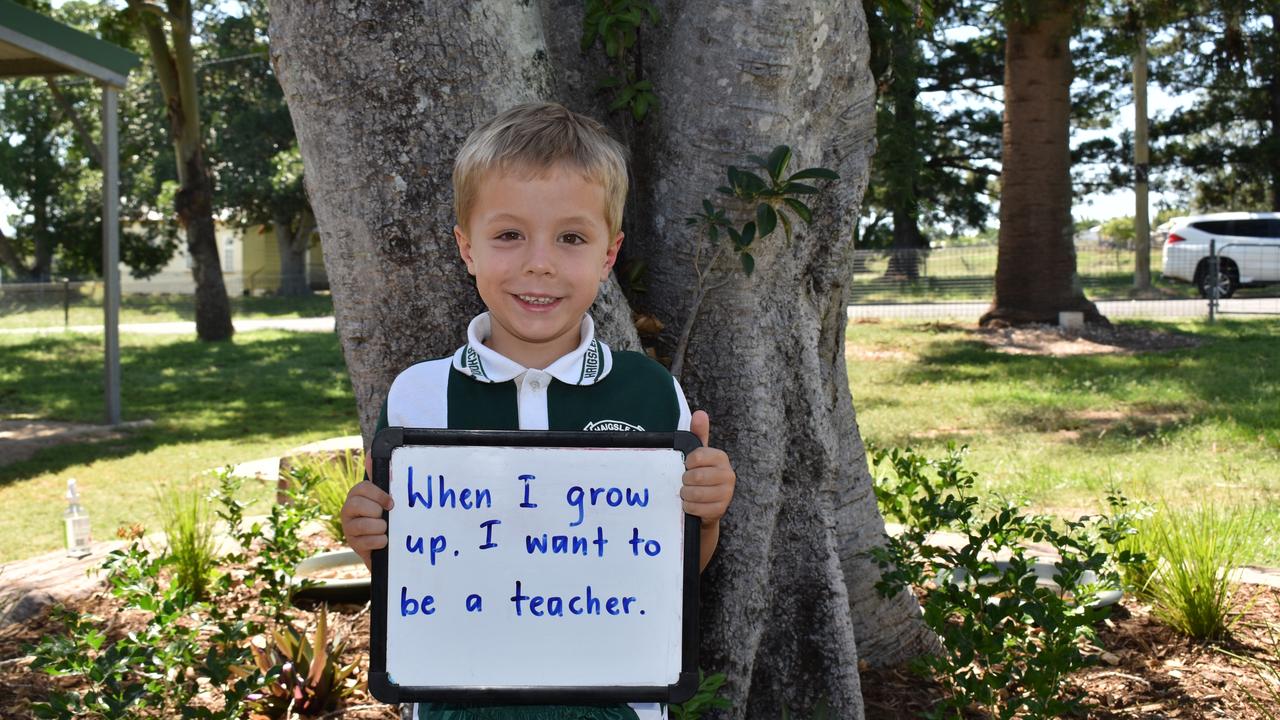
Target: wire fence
(959,283)
(78,304)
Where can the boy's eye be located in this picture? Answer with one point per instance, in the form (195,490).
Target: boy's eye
(509,235)
(572,239)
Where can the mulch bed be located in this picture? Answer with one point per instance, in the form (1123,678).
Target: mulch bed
(1145,670)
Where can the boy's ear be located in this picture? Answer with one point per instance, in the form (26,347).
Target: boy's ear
(464,248)
(611,257)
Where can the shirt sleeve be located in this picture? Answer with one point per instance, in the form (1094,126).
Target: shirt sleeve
(685,416)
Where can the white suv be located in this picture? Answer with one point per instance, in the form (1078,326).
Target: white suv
(1248,246)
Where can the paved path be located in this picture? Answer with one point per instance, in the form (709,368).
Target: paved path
(313,324)
(1152,309)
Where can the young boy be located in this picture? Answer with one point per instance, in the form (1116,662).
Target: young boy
(539,192)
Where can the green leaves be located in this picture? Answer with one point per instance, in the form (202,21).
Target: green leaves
(773,197)
(1008,640)
(616,25)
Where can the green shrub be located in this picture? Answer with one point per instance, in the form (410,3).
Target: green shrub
(1143,544)
(303,674)
(706,699)
(185,645)
(1198,549)
(1008,641)
(332,480)
(188,523)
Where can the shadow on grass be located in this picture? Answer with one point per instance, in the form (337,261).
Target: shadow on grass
(258,387)
(1230,378)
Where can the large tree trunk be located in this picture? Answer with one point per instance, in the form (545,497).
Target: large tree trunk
(1036,266)
(790,593)
(381,100)
(292,246)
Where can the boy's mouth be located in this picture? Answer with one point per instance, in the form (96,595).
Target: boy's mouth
(537,300)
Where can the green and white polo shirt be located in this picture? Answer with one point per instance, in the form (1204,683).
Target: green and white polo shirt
(591,388)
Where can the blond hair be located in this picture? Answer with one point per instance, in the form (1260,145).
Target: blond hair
(535,138)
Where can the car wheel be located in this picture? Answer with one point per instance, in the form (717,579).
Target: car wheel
(1228,278)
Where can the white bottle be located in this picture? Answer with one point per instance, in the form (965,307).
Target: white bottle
(76,523)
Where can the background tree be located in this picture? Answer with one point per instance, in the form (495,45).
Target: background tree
(1221,150)
(1036,260)
(935,164)
(50,166)
(254,156)
(381,104)
(168,30)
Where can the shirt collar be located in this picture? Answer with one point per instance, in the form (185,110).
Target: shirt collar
(587,364)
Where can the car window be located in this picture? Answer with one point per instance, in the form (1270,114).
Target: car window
(1252,227)
(1214,227)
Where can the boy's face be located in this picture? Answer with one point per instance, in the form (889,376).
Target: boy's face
(539,247)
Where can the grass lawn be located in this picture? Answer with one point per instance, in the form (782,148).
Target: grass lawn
(1198,425)
(22,307)
(212,404)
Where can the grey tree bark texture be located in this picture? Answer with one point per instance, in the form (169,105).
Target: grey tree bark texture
(382,96)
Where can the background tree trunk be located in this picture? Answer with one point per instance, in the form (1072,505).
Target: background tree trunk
(1036,261)
(382,98)
(174,62)
(292,244)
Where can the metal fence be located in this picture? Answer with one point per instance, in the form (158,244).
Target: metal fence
(67,303)
(959,283)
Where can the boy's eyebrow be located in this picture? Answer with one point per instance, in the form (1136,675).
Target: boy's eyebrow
(573,219)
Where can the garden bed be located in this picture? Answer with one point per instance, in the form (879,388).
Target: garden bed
(1144,670)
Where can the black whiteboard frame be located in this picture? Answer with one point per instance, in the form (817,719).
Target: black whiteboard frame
(380,683)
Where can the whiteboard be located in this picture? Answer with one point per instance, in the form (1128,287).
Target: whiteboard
(534,567)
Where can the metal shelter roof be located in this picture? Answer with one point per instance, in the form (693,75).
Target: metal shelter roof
(32,44)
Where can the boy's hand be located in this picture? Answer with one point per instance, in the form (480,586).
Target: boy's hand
(362,521)
(708,484)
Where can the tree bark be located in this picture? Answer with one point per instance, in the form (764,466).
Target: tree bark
(1036,260)
(292,246)
(789,606)
(382,98)
(175,71)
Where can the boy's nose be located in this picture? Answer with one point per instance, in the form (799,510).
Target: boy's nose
(538,260)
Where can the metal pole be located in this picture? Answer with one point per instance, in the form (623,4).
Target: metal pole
(1213,278)
(1141,168)
(111,248)
(66,303)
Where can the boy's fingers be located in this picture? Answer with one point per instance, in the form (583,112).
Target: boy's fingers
(706,457)
(706,511)
(704,494)
(362,526)
(700,425)
(368,491)
(367,543)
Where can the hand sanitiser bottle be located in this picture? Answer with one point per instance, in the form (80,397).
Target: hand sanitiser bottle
(76,523)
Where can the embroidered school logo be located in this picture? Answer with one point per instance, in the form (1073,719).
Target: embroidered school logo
(612,426)
(590,364)
(471,359)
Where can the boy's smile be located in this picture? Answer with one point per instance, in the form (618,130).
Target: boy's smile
(539,247)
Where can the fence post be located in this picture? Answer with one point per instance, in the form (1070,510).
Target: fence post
(66,303)
(1213,278)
